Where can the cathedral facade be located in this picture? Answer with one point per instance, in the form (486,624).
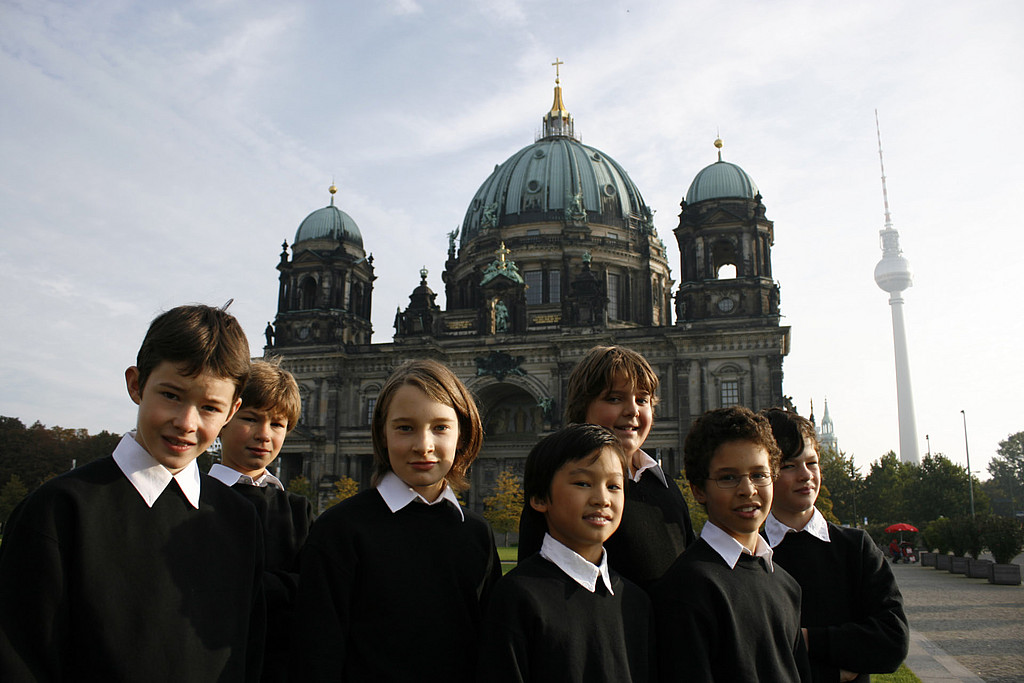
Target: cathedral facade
(557,252)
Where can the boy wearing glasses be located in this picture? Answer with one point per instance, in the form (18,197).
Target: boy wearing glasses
(724,611)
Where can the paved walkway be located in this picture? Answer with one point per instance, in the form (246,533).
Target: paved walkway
(962,630)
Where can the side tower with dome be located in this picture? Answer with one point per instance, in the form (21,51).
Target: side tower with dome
(557,252)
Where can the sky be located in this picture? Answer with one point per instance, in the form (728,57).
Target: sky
(159,153)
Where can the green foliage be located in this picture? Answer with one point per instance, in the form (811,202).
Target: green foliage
(1004,538)
(302,486)
(10,495)
(38,452)
(698,515)
(939,535)
(824,505)
(902,675)
(845,484)
(884,489)
(1007,470)
(505,504)
(346,487)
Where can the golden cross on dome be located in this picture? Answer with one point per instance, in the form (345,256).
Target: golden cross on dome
(502,252)
(557,63)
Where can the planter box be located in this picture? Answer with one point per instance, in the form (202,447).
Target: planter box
(1004,574)
(928,560)
(958,565)
(943,562)
(978,569)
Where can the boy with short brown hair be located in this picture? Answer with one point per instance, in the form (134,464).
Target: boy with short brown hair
(250,442)
(724,611)
(137,566)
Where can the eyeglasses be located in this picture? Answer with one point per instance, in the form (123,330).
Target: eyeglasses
(731,481)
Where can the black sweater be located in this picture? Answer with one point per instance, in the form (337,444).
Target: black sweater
(95,585)
(285,518)
(655,529)
(720,624)
(852,608)
(389,596)
(542,626)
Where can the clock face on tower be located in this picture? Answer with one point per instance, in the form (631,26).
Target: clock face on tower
(304,332)
(726,305)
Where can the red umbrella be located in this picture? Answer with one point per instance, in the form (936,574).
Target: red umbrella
(900,527)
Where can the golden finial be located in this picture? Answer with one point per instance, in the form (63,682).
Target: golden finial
(718,145)
(332,189)
(557,63)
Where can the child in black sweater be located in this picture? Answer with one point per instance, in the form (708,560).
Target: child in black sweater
(616,388)
(724,610)
(393,578)
(562,615)
(852,615)
(250,442)
(137,567)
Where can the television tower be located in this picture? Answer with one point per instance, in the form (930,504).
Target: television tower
(892,274)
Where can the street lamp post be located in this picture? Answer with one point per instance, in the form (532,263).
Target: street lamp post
(970,477)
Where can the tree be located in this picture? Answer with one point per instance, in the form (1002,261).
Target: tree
(1007,469)
(698,514)
(825,506)
(503,507)
(346,487)
(845,484)
(11,494)
(939,487)
(884,488)
(300,485)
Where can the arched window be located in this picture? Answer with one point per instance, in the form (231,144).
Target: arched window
(308,294)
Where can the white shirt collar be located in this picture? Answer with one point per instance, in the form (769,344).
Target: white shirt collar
(730,549)
(648,463)
(397,494)
(816,526)
(579,569)
(149,477)
(230,477)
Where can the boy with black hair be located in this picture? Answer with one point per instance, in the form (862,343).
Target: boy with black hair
(562,615)
(250,442)
(616,388)
(137,567)
(724,610)
(852,610)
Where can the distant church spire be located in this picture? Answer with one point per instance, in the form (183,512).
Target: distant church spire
(558,121)
(893,275)
(826,435)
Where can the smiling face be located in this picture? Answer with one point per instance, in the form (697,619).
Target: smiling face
(422,436)
(797,487)
(627,411)
(252,439)
(179,415)
(584,506)
(738,511)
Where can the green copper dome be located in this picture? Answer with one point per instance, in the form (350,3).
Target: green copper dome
(329,223)
(556,178)
(721,180)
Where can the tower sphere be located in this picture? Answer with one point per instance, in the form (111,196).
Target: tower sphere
(893,274)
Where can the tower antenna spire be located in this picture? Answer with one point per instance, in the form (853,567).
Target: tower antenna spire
(881,161)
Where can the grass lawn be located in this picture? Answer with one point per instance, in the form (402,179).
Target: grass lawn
(902,675)
(507,554)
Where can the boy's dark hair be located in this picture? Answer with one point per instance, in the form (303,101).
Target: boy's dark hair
(273,389)
(439,384)
(200,338)
(568,444)
(790,431)
(596,372)
(715,427)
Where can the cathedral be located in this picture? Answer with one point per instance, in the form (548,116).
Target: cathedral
(557,252)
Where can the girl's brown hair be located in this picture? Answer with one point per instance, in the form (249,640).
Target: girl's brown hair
(596,372)
(441,385)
